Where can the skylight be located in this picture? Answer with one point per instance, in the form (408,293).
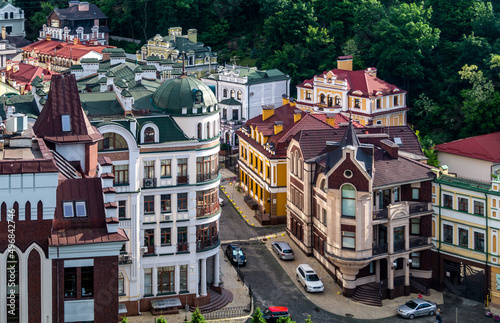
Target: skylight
(66,125)
(80,209)
(398,141)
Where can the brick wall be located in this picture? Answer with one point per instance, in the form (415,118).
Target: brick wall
(106,289)
(26,233)
(358,179)
(34,287)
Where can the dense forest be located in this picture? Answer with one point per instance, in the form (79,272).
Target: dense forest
(445,53)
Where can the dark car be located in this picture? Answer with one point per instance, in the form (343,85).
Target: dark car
(235,254)
(273,313)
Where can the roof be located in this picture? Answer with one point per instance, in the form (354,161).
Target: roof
(63,99)
(169,130)
(24,104)
(77,236)
(230,101)
(484,147)
(73,13)
(467,183)
(98,104)
(62,49)
(253,75)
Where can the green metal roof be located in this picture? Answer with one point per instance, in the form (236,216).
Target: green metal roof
(230,101)
(76,67)
(103,80)
(148,68)
(126,94)
(113,50)
(110,74)
(120,83)
(23,103)
(99,104)
(153,58)
(466,183)
(89,60)
(169,130)
(138,69)
(41,92)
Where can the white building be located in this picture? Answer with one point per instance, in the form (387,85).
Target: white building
(242,91)
(12,18)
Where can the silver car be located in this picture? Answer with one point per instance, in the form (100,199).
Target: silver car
(417,307)
(283,250)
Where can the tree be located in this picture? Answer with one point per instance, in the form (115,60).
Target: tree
(257,316)
(196,317)
(161,319)
(40,17)
(308,320)
(285,319)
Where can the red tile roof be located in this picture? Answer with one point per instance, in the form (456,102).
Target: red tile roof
(27,73)
(61,49)
(485,147)
(63,99)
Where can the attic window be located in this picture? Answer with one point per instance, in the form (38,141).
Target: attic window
(81,210)
(398,141)
(66,125)
(198,96)
(68,209)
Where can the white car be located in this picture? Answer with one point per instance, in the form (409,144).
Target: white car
(309,279)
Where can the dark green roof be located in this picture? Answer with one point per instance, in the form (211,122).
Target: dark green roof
(103,80)
(117,55)
(152,59)
(76,67)
(110,74)
(178,93)
(126,94)
(230,101)
(23,103)
(138,69)
(101,69)
(99,104)
(113,50)
(42,101)
(169,130)
(148,67)
(89,60)
(37,80)
(41,93)
(466,183)
(119,82)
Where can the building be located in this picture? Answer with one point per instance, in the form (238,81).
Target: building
(20,76)
(370,99)
(81,20)
(466,212)
(167,52)
(58,204)
(12,18)
(262,156)
(361,209)
(242,91)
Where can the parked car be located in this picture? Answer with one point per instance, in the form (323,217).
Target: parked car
(235,254)
(221,201)
(273,313)
(283,250)
(417,307)
(309,279)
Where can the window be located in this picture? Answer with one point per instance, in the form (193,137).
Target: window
(415,226)
(66,125)
(70,282)
(148,290)
(395,193)
(323,216)
(395,100)
(149,238)
(166,279)
(330,101)
(165,203)
(198,96)
(232,93)
(149,204)
(308,95)
(348,240)
(415,193)
(183,277)
(479,241)
(81,210)
(415,260)
(165,237)
(200,134)
(348,201)
(182,201)
(235,115)
(479,208)
(68,209)
(166,167)
(149,169)
(224,93)
(112,141)
(379,103)
(182,170)
(11,15)
(121,284)
(224,114)
(356,103)
(463,204)
(87,281)
(6,15)
(337,100)
(322,98)
(121,174)
(149,135)
(448,201)
(447,233)
(238,95)
(463,238)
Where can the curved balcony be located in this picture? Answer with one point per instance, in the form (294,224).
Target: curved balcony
(206,177)
(206,244)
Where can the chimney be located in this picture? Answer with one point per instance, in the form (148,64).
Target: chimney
(48,37)
(286,99)
(390,147)
(15,66)
(293,102)
(444,169)
(3,32)
(193,35)
(35,62)
(344,63)
(74,3)
(278,127)
(372,71)
(297,115)
(83,6)
(330,119)
(31,60)
(267,111)
(9,64)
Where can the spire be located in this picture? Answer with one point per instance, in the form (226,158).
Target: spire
(183,67)
(350,138)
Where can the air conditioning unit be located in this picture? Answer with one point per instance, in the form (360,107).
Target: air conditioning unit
(166,217)
(149,182)
(144,249)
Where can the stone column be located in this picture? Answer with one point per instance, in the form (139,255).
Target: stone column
(390,279)
(406,266)
(216,270)
(203,291)
(154,280)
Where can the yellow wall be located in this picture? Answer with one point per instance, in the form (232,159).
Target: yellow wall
(282,175)
(281,203)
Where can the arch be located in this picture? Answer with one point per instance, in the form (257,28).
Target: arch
(232,93)
(34,290)
(27,211)
(16,210)
(39,210)
(151,132)
(301,168)
(208,130)
(337,100)
(348,200)
(129,138)
(11,15)
(112,141)
(330,101)
(224,93)
(200,131)
(238,95)
(322,184)
(322,98)
(6,15)
(292,162)
(296,163)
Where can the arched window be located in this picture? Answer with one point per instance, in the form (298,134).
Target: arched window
(200,135)
(337,100)
(301,168)
(6,15)
(238,95)
(198,96)
(208,130)
(224,93)
(215,129)
(348,201)
(322,98)
(232,93)
(27,210)
(292,163)
(39,210)
(296,164)
(16,210)
(149,135)
(330,101)
(112,141)
(322,185)
(11,15)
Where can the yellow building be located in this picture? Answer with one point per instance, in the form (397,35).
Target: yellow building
(263,142)
(370,99)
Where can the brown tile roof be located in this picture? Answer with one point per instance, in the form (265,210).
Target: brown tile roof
(485,147)
(62,49)
(28,166)
(63,99)
(79,236)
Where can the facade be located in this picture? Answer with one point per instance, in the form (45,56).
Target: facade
(370,99)
(242,91)
(361,209)
(8,50)
(81,21)
(12,18)
(167,52)
(58,217)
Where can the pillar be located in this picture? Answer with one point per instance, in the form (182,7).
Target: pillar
(154,280)
(390,280)
(203,291)
(406,266)
(216,270)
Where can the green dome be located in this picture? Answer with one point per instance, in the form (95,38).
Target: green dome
(183,92)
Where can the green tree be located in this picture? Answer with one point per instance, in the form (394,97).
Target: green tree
(161,319)
(196,317)
(308,320)
(40,17)
(284,319)
(257,316)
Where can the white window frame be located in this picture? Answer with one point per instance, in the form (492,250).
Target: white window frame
(155,128)
(79,203)
(66,204)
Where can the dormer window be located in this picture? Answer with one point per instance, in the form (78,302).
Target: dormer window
(149,135)
(356,103)
(198,96)
(74,208)
(68,209)
(81,210)
(66,125)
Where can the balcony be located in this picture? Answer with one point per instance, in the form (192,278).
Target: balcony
(418,241)
(207,243)
(149,182)
(207,210)
(182,247)
(399,245)
(183,180)
(419,207)
(380,214)
(406,208)
(205,177)
(125,259)
(379,249)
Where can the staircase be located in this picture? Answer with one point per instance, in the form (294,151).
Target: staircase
(368,295)
(217,301)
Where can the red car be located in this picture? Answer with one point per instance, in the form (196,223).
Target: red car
(273,313)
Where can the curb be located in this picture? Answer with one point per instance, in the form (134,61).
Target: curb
(235,207)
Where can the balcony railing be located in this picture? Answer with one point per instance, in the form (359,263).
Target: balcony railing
(399,245)
(207,210)
(124,259)
(207,243)
(417,207)
(207,176)
(182,246)
(380,248)
(418,241)
(182,179)
(380,214)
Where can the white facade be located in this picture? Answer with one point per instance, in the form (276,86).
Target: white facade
(12,18)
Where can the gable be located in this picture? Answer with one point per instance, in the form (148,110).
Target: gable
(359,178)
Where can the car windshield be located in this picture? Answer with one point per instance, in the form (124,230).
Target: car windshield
(287,251)
(312,278)
(267,312)
(411,304)
(237,252)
